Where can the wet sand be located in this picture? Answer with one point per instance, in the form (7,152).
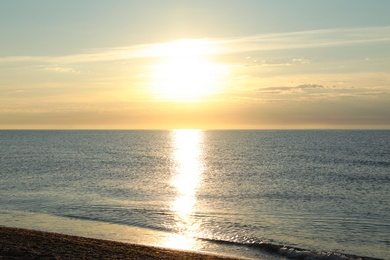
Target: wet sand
(16,243)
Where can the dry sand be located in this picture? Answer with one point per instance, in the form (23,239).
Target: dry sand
(18,243)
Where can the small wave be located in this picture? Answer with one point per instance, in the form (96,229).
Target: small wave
(373,163)
(292,252)
(270,247)
(111,221)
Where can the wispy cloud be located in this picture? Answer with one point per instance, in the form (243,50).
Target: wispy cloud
(307,39)
(60,69)
(263,42)
(321,91)
(292,89)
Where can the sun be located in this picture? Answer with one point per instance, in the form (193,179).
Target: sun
(184,72)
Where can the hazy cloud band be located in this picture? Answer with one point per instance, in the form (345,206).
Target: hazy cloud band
(263,42)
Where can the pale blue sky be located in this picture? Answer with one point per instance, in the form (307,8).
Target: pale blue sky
(54,27)
(300,63)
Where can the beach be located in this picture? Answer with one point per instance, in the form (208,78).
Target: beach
(16,243)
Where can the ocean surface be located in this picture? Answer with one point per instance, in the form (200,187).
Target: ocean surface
(316,194)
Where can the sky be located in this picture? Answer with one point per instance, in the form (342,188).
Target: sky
(221,64)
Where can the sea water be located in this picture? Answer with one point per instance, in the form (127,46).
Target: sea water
(309,194)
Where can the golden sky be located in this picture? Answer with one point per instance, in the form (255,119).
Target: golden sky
(221,64)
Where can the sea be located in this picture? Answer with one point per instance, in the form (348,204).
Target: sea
(258,194)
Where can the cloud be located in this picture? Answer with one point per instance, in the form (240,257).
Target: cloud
(60,69)
(307,39)
(263,42)
(320,92)
(291,89)
(253,62)
(301,61)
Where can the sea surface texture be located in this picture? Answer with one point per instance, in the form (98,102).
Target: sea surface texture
(308,194)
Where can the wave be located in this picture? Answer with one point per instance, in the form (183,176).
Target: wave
(291,252)
(254,243)
(268,247)
(139,224)
(373,163)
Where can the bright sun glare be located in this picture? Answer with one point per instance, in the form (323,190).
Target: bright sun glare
(185,72)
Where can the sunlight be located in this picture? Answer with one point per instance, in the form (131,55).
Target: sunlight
(188,169)
(185,72)
(181,242)
(188,162)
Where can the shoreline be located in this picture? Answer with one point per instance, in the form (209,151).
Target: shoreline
(18,243)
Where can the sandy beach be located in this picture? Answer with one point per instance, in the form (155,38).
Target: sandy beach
(18,243)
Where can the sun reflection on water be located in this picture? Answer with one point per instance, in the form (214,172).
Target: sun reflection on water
(188,170)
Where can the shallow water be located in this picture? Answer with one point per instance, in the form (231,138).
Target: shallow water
(252,190)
